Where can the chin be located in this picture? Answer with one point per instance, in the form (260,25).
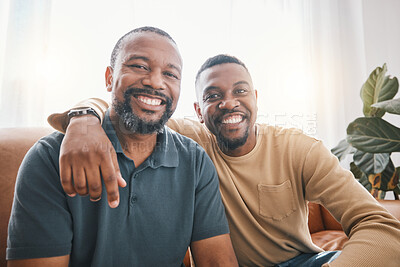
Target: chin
(232,143)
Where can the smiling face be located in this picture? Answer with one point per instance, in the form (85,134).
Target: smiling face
(228,106)
(145,82)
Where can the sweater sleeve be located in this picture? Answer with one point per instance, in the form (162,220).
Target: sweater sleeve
(60,121)
(374,233)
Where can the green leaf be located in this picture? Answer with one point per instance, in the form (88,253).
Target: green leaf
(387,174)
(391,106)
(373,135)
(356,171)
(364,181)
(371,162)
(342,149)
(377,88)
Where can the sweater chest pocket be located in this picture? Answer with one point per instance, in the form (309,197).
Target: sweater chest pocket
(276,201)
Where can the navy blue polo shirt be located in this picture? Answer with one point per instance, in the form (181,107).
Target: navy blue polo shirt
(170,200)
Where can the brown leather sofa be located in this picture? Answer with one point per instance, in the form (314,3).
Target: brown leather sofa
(15,142)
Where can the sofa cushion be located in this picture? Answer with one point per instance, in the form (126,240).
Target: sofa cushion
(329,221)
(329,239)
(315,223)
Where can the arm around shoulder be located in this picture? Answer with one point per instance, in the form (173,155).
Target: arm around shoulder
(60,121)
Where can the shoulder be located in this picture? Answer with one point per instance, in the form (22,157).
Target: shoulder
(50,143)
(290,138)
(192,129)
(46,149)
(40,167)
(52,140)
(189,152)
(183,143)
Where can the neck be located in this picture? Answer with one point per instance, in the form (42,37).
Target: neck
(245,148)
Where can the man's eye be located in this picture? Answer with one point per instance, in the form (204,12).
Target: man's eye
(240,91)
(137,66)
(211,97)
(170,74)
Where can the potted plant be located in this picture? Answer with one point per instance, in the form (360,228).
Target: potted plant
(371,139)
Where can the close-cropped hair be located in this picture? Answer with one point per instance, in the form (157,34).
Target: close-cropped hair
(118,45)
(217,60)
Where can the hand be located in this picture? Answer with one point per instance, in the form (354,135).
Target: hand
(86,152)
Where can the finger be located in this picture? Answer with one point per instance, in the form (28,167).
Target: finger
(120,180)
(93,180)
(66,177)
(110,182)
(79,181)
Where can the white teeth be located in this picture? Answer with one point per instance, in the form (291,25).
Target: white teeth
(149,101)
(233,119)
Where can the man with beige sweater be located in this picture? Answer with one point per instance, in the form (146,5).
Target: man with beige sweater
(267,176)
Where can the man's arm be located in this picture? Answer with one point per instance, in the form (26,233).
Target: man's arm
(211,243)
(214,251)
(374,234)
(41,262)
(60,121)
(86,152)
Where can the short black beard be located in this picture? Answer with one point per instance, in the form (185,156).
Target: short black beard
(232,144)
(132,122)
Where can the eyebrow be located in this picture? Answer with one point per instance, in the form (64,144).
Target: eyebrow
(209,88)
(170,65)
(174,67)
(137,57)
(241,82)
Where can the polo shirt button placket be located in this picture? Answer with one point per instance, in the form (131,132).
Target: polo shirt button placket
(133,197)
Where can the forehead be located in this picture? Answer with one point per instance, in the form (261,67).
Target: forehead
(223,76)
(153,46)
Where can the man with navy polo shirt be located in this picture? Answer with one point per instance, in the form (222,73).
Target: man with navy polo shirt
(170,199)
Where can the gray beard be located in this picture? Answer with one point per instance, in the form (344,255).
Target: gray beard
(135,124)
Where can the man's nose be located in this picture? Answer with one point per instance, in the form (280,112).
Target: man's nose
(154,80)
(229,103)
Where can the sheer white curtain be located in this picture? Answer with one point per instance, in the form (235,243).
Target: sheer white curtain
(308,59)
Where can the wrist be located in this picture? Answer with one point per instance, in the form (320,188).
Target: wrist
(88,119)
(82,112)
(82,124)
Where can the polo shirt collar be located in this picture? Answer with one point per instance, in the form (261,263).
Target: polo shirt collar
(165,153)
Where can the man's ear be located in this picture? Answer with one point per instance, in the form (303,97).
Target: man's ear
(198,111)
(109,78)
(256,93)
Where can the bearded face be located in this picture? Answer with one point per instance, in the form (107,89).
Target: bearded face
(135,124)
